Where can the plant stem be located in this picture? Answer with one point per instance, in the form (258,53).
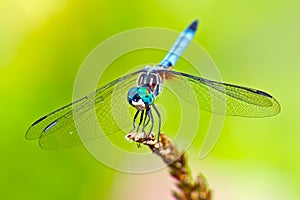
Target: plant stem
(188,189)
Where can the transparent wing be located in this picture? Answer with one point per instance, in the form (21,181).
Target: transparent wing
(223,98)
(108,105)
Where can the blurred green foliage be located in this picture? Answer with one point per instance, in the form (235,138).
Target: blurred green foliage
(43,43)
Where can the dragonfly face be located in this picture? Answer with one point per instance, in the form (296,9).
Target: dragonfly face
(140,97)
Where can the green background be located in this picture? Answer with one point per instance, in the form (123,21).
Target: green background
(254,43)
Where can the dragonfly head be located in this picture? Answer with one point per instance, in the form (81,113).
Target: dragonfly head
(140,97)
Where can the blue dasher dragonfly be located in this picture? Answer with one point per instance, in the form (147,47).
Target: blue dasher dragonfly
(141,88)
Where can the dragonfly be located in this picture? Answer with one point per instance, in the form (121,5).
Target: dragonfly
(140,90)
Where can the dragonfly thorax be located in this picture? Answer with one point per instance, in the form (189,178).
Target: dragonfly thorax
(140,97)
(151,79)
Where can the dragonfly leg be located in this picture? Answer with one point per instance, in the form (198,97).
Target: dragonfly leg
(152,121)
(141,120)
(137,130)
(147,121)
(159,121)
(144,122)
(134,118)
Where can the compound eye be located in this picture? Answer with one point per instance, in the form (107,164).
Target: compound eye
(136,98)
(132,94)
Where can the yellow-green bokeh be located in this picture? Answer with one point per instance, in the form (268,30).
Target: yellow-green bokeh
(254,43)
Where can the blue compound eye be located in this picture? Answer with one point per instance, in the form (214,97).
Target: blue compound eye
(146,95)
(132,95)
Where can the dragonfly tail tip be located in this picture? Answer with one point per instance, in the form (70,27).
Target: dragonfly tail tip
(194,25)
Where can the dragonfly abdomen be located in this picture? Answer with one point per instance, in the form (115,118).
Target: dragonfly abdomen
(179,46)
